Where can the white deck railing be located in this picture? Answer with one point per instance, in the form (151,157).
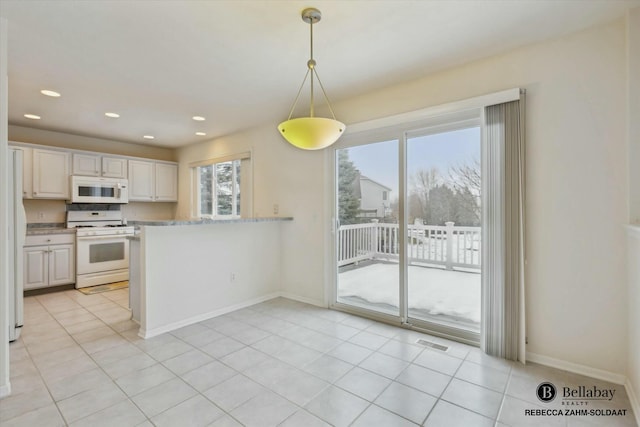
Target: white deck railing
(448,245)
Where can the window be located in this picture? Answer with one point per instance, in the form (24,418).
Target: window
(218,189)
(384,195)
(448,255)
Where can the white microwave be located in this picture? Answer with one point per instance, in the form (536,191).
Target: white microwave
(90,189)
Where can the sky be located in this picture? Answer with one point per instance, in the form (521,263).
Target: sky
(379,161)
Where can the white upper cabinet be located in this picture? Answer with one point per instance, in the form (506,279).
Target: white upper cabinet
(86,164)
(141,182)
(166,182)
(46,173)
(153,181)
(27,171)
(96,165)
(51,174)
(114,167)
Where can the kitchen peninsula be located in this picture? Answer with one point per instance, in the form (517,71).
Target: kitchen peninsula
(182,272)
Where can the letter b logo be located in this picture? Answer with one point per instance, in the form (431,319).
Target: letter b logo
(546,392)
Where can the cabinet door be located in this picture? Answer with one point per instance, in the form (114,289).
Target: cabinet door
(166,182)
(36,267)
(61,265)
(113,167)
(86,164)
(27,171)
(141,179)
(50,174)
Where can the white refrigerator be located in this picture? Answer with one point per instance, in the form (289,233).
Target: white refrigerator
(17,234)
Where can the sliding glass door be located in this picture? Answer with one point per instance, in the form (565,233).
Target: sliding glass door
(367,232)
(443,229)
(408,237)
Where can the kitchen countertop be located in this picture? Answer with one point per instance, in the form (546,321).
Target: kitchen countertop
(37,229)
(164,223)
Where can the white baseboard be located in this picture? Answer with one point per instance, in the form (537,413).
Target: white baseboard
(199,318)
(633,398)
(5,390)
(576,368)
(305,300)
(219,312)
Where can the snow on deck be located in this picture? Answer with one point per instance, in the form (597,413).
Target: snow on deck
(433,291)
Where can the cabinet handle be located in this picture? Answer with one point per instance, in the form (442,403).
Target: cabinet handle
(48,240)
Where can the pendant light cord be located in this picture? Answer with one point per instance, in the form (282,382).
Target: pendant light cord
(311,69)
(311,64)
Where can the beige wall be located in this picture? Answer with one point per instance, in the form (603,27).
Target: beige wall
(76,142)
(633,369)
(633,248)
(633,82)
(576,183)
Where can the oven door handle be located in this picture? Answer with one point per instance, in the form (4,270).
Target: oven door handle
(112,237)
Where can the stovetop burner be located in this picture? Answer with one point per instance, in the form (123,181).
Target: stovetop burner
(94,218)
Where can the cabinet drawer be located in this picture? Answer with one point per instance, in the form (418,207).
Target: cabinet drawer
(50,239)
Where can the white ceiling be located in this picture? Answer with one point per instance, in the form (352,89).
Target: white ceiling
(240,63)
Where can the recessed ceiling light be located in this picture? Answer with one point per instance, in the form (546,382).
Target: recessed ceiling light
(32,116)
(198,118)
(148,137)
(50,93)
(112,115)
(200,133)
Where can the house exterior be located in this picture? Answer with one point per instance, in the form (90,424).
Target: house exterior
(375,199)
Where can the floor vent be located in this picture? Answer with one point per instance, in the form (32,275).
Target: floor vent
(432,345)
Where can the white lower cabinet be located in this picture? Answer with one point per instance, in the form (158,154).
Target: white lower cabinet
(49,260)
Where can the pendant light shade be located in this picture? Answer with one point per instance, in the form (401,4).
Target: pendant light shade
(311,133)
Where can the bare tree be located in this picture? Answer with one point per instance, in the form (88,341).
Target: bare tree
(467,176)
(422,182)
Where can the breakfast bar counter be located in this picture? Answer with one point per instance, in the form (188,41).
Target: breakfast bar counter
(171,222)
(183,272)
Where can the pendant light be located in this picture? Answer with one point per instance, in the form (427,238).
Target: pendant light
(311,133)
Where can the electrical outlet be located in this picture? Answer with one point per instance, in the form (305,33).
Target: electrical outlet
(232,278)
(276,209)
(40,215)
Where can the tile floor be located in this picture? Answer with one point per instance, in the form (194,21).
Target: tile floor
(80,362)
